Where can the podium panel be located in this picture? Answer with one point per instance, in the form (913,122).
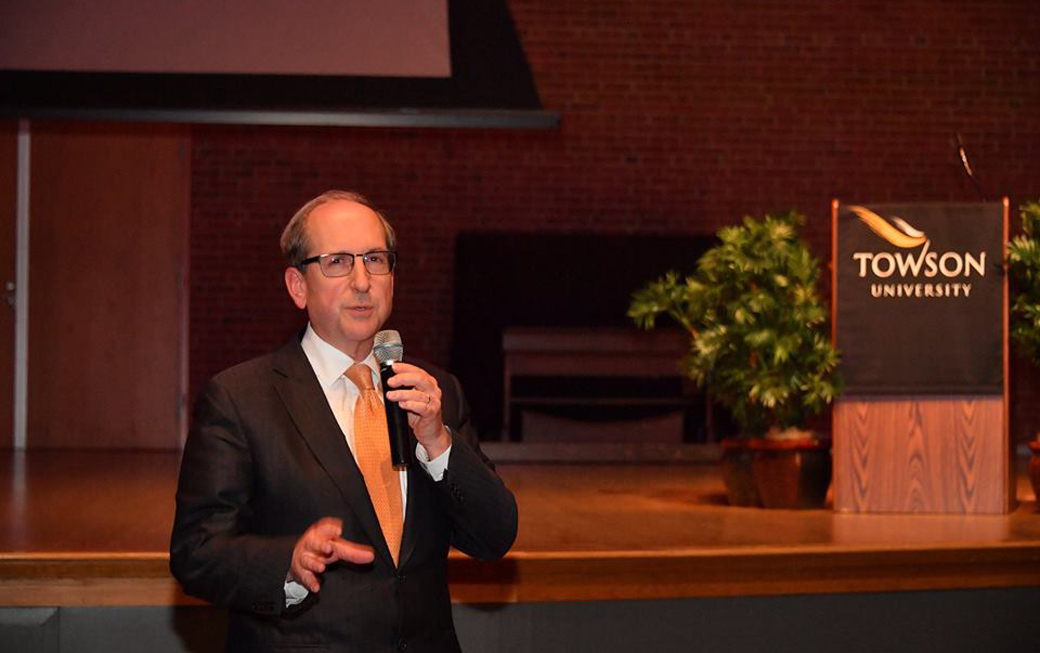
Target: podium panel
(920,319)
(922,454)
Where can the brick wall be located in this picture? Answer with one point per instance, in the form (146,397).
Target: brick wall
(678,116)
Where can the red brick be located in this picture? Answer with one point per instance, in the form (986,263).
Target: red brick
(677,117)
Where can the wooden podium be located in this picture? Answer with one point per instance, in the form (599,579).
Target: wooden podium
(924,449)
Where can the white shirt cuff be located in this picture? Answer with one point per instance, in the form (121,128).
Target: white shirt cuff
(436,467)
(294,593)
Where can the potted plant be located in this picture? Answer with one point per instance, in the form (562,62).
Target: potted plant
(760,346)
(1024,265)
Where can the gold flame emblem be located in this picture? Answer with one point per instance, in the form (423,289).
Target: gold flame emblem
(900,235)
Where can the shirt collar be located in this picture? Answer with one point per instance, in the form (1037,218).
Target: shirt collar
(329,363)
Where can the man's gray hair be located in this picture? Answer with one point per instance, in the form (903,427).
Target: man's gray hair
(294,242)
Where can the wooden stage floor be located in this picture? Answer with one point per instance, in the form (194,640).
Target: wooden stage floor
(91,528)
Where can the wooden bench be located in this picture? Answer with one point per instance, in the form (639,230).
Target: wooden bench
(601,353)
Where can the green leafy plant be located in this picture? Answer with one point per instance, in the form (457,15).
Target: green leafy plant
(1024,264)
(759,334)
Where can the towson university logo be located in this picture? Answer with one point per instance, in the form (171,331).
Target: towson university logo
(913,270)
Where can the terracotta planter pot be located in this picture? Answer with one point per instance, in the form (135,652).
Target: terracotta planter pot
(792,474)
(741,489)
(1034,469)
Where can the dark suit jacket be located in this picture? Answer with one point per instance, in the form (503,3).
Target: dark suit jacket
(265,459)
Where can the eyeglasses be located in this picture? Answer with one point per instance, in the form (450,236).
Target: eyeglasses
(340,264)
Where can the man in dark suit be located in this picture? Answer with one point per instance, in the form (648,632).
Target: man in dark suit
(279,514)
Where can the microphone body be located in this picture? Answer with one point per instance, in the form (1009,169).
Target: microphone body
(396,421)
(388,350)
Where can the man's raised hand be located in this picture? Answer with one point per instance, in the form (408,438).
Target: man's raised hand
(321,545)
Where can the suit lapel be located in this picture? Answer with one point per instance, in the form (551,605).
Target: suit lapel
(411,511)
(306,404)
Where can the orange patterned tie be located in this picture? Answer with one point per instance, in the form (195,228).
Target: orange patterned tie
(372,450)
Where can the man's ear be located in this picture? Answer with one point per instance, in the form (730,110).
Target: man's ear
(296,284)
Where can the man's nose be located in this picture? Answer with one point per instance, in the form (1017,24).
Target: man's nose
(360,279)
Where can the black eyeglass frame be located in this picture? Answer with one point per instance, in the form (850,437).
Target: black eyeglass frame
(391,255)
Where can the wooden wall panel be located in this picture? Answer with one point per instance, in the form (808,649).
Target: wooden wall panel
(109,208)
(922,455)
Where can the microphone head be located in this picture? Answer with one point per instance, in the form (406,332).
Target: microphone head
(387,347)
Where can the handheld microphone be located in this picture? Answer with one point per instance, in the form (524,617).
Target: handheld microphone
(388,350)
